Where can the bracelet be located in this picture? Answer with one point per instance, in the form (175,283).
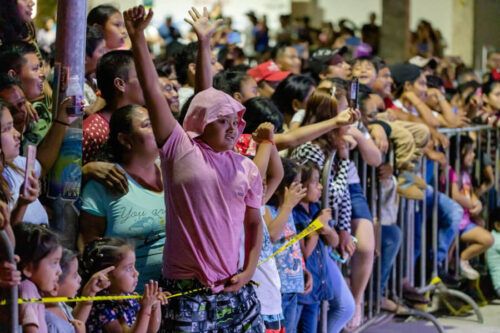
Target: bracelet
(268,141)
(61,122)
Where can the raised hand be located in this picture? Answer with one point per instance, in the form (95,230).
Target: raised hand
(32,190)
(137,20)
(347,117)
(294,194)
(202,25)
(99,281)
(264,132)
(153,295)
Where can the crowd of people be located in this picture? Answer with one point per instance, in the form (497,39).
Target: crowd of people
(201,163)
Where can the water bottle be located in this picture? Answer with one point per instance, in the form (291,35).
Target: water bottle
(74,90)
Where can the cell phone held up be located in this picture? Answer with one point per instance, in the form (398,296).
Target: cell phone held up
(353,94)
(29,167)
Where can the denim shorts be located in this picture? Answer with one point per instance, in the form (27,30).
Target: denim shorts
(468,228)
(360,209)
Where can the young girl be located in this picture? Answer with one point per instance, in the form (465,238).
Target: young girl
(477,238)
(24,208)
(279,221)
(490,113)
(322,105)
(60,317)
(127,315)
(138,215)
(211,192)
(110,20)
(328,282)
(39,252)
(266,275)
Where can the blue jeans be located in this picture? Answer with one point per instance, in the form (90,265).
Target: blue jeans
(342,305)
(308,314)
(289,306)
(450,214)
(391,242)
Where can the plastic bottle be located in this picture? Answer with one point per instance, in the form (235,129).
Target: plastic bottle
(74,90)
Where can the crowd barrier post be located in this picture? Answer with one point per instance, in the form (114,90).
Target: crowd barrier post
(423,231)
(10,311)
(404,265)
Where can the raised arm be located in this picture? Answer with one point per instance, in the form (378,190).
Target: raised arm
(369,151)
(303,134)
(422,109)
(162,120)
(267,159)
(204,29)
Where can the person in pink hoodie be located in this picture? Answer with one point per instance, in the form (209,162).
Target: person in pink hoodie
(211,195)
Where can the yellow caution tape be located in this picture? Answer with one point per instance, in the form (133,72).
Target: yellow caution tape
(315,225)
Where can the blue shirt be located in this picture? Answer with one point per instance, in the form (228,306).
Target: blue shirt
(139,216)
(290,261)
(319,263)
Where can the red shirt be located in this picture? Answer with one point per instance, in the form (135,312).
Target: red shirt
(95,136)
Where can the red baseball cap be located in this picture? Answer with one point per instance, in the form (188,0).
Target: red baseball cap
(267,71)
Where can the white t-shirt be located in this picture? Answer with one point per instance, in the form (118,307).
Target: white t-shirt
(298,117)
(184,94)
(35,213)
(269,289)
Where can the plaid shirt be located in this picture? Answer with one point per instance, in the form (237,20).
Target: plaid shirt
(338,194)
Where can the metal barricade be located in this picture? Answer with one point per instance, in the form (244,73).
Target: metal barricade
(405,265)
(9,312)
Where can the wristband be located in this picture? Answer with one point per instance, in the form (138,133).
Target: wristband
(61,122)
(268,141)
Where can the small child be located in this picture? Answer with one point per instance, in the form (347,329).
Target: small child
(493,253)
(111,21)
(60,317)
(40,252)
(328,282)
(477,238)
(268,162)
(279,220)
(121,316)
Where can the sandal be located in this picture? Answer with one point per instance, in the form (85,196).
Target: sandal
(390,306)
(355,321)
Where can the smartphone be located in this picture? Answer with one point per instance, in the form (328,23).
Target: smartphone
(353,94)
(30,166)
(335,255)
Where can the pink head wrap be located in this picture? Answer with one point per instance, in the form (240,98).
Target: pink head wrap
(207,106)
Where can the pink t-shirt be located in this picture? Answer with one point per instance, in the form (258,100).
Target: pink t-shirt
(33,313)
(206,194)
(465,187)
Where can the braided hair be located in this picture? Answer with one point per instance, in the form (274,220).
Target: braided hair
(101,253)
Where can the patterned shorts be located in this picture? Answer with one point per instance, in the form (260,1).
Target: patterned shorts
(205,311)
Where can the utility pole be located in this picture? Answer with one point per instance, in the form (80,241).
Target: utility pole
(64,180)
